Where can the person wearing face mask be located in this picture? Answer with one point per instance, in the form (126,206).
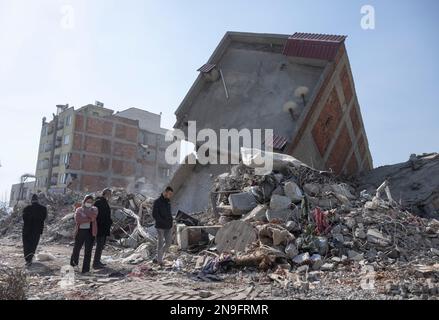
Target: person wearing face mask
(85,231)
(33,225)
(104,225)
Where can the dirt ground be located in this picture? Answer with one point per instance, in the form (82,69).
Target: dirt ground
(122,281)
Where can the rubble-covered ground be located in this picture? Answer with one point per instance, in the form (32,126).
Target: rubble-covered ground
(295,233)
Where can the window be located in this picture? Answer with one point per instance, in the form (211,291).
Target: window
(67,139)
(63,179)
(68,120)
(65,158)
(165,172)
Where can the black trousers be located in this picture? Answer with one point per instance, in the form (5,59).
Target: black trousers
(30,244)
(100,244)
(84,237)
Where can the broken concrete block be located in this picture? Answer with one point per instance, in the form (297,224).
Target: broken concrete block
(313,276)
(278,215)
(274,235)
(292,226)
(235,235)
(242,203)
(359,233)
(291,251)
(278,191)
(311,189)
(327,267)
(292,191)
(278,202)
(321,244)
(257,214)
(188,236)
(225,210)
(281,237)
(303,269)
(355,256)
(226,219)
(302,258)
(338,238)
(376,237)
(316,261)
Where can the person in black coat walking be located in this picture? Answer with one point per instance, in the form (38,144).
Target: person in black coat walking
(34,216)
(104,223)
(162,215)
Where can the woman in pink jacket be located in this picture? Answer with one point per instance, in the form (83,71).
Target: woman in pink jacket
(85,232)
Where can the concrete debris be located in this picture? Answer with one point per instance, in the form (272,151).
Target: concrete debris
(257,214)
(242,203)
(292,190)
(413,184)
(302,258)
(281,215)
(296,224)
(278,202)
(236,236)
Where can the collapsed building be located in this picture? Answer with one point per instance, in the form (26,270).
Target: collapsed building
(300,86)
(92,148)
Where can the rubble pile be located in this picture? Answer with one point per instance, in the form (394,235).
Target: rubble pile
(58,206)
(130,213)
(415,183)
(297,218)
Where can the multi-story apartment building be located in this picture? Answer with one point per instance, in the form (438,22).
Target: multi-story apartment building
(92,148)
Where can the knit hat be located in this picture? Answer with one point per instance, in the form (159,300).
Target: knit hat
(34,198)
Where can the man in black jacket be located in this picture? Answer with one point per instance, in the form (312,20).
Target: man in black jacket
(33,218)
(104,223)
(162,215)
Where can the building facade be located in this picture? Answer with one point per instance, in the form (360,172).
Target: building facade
(91,148)
(300,86)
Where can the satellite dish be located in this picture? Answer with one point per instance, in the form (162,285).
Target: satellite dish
(290,106)
(301,91)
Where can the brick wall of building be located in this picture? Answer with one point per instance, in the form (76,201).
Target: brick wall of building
(104,151)
(332,126)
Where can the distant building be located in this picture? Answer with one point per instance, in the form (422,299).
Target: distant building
(92,148)
(21,192)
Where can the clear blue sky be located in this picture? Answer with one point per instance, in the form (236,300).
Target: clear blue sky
(145,54)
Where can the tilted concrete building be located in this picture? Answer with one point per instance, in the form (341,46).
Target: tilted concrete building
(301,86)
(92,148)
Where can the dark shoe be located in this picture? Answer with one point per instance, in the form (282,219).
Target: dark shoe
(28,264)
(155,261)
(98,266)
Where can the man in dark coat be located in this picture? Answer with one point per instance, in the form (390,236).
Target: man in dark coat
(33,218)
(104,224)
(162,215)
